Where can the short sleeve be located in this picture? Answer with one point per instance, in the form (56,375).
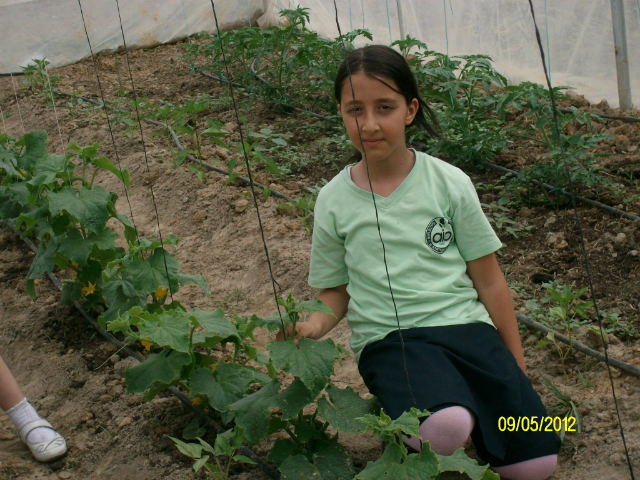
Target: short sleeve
(327,268)
(473,232)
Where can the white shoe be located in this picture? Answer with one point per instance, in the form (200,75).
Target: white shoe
(43,451)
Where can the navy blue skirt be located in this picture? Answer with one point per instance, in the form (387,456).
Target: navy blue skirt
(467,365)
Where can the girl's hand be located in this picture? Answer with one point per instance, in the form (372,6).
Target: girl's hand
(303,329)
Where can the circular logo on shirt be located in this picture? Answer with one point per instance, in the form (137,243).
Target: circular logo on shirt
(439,234)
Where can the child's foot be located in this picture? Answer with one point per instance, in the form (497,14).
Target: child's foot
(33,432)
(44,442)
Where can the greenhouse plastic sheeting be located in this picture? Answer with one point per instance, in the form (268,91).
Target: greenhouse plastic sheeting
(577,34)
(53,28)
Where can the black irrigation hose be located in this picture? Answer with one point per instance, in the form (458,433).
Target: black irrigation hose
(181,396)
(602,115)
(550,188)
(630,369)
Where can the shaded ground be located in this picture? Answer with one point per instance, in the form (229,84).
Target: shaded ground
(75,380)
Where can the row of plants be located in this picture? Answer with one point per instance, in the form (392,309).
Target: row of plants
(480,113)
(129,282)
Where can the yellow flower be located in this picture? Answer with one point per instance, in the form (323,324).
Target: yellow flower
(147,345)
(160,293)
(89,289)
(75,264)
(196,401)
(213,367)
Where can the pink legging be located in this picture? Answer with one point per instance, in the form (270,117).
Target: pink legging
(448,429)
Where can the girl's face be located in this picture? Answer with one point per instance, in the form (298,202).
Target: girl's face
(382,115)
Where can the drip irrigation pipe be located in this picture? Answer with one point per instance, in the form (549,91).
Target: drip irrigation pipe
(550,188)
(177,393)
(630,369)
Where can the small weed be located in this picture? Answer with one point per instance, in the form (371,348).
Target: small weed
(564,407)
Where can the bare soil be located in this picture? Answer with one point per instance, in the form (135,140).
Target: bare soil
(75,378)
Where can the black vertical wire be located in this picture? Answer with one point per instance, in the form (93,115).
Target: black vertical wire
(144,149)
(106,112)
(582,243)
(384,252)
(246,160)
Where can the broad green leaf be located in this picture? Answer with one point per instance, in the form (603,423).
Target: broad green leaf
(151,273)
(171,329)
(417,466)
(75,247)
(32,217)
(293,399)
(299,467)
(119,301)
(104,240)
(312,362)
(382,425)
(87,206)
(162,367)
(197,279)
(252,412)
(274,322)
(42,263)
(104,162)
(35,148)
(71,291)
(333,462)
(191,450)
(215,324)
(200,463)
(227,385)
(558,312)
(345,407)
(222,445)
(314,306)
(282,449)
(47,170)
(459,462)
(193,430)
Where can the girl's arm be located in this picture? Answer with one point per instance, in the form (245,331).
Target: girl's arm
(319,324)
(493,292)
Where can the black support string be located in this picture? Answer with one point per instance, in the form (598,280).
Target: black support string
(246,159)
(106,112)
(582,242)
(144,149)
(384,252)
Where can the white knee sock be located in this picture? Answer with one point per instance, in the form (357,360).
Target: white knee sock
(23,413)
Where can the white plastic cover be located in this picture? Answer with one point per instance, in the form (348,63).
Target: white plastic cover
(580,34)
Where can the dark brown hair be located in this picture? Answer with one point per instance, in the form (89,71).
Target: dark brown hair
(384,63)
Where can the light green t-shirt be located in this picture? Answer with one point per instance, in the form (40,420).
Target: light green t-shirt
(431,225)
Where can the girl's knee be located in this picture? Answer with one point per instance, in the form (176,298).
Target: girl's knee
(539,468)
(446,430)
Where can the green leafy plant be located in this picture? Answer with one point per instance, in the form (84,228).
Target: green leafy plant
(498,215)
(564,407)
(37,77)
(223,453)
(567,313)
(397,462)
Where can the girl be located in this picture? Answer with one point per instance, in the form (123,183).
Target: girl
(460,343)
